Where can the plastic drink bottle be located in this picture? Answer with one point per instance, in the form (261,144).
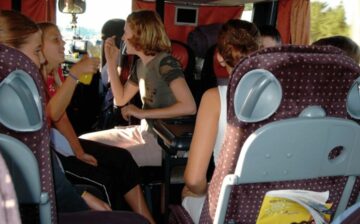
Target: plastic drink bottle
(93,52)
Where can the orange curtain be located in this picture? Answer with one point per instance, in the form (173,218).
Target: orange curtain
(283,20)
(293,21)
(300,22)
(37,10)
(136,4)
(5,4)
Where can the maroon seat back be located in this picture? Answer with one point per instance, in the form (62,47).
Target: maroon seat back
(180,52)
(308,76)
(38,141)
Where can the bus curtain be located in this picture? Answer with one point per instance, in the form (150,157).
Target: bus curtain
(293,21)
(37,10)
(5,4)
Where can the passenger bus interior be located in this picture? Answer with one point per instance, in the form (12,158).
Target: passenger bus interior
(291,134)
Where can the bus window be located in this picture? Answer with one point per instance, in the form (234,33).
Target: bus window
(329,18)
(89,24)
(248,12)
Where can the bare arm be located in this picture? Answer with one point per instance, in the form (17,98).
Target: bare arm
(184,105)
(95,203)
(122,94)
(202,143)
(59,102)
(65,128)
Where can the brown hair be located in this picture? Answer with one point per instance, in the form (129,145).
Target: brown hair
(236,39)
(44,26)
(344,43)
(15,28)
(149,32)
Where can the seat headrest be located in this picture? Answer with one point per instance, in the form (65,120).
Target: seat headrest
(257,96)
(180,52)
(20,105)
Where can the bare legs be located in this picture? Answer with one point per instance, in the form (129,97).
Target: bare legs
(136,201)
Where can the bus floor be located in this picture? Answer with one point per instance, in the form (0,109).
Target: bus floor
(154,197)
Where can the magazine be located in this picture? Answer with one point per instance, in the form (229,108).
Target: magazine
(294,206)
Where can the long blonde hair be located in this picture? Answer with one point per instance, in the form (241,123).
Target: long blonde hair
(149,32)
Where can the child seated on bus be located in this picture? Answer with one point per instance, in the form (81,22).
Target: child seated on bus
(158,78)
(236,40)
(111,168)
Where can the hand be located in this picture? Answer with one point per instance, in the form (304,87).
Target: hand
(111,51)
(87,158)
(85,65)
(131,110)
(95,203)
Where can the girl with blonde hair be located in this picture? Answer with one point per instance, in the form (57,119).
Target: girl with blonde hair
(158,78)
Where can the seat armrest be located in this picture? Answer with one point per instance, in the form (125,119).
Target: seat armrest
(173,136)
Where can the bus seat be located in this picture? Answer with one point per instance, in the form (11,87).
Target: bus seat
(181,53)
(21,111)
(318,78)
(185,55)
(203,37)
(25,173)
(303,148)
(9,211)
(308,76)
(37,139)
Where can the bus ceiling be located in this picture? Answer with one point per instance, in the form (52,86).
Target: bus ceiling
(212,2)
(265,11)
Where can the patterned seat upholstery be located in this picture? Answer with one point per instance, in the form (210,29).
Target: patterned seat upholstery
(38,141)
(308,76)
